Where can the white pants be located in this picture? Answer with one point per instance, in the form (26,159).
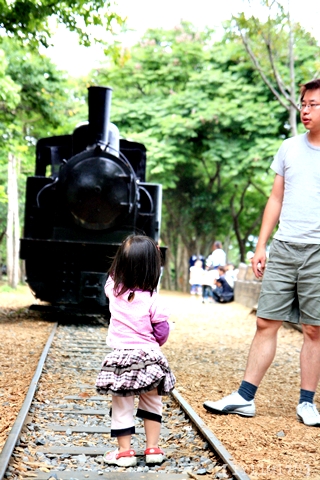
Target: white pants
(122,418)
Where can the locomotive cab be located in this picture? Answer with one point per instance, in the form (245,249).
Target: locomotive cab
(76,218)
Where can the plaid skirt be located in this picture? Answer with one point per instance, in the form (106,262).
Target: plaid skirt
(131,372)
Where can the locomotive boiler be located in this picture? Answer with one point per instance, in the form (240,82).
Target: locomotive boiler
(88,193)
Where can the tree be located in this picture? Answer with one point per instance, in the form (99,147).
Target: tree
(39,102)
(9,98)
(211,128)
(272,47)
(32,91)
(194,104)
(29,20)
(13,224)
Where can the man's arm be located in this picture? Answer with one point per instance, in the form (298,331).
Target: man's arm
(269,221)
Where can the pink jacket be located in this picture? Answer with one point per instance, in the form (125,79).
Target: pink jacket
(141,323)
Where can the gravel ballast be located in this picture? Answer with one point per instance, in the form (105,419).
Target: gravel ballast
(207,352)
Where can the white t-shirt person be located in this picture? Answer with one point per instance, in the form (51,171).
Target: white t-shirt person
(217,258)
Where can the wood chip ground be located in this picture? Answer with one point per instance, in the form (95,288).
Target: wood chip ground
(207,351)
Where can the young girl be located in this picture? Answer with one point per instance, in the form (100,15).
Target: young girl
(196,278)
(136,366)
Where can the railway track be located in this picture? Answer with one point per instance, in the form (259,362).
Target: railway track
(63,428)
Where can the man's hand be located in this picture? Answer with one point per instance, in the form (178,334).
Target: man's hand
(258,262)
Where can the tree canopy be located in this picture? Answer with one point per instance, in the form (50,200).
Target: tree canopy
(211,127)
(272,46)
(198,106)
(36,101)
(209,120)
(29,20)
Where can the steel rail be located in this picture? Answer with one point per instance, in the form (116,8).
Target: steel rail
(15,431)
(236,471)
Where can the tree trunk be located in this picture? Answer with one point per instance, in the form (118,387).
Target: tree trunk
(13,225)
(176,269)
(166,280)
(182,267)
(293,108)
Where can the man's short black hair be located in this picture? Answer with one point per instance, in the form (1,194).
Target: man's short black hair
(312,85)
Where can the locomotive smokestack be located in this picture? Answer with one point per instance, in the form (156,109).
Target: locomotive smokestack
(99,101)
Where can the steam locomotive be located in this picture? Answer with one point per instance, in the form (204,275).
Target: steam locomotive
(88,193)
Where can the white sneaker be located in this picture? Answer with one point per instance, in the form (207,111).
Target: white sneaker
(308,414)
(233,403)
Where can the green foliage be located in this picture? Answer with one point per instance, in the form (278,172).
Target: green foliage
(9,94)
(210,124)
(9,91)
(39,101)
(28,20)
(197,106)
(269,42)
(40,108)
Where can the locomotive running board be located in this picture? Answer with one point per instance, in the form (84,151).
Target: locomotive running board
(69,310)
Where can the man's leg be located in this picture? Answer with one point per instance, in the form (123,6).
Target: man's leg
(310,373)
(310,357)
(262,350)
(261,354)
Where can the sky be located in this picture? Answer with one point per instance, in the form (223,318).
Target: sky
(144,14)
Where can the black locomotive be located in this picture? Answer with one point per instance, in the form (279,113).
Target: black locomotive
(88,193)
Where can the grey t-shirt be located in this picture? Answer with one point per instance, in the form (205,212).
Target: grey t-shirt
(299,163)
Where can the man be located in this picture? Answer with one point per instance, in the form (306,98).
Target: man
(292,275)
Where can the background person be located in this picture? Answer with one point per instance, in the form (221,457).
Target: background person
(196,278)
(208,280)
(223,293)
(231,274)
(194,258)
(217,258)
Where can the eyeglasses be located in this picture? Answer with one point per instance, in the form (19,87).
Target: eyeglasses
(302,106)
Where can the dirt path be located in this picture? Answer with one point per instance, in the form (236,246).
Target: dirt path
(23,337)
(207,351)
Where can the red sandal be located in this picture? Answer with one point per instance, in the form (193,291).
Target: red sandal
(122,459)
(154,455)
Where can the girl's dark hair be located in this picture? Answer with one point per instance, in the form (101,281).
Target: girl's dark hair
(312,85)
(136,266)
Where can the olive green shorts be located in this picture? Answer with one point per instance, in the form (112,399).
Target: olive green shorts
(290,289)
